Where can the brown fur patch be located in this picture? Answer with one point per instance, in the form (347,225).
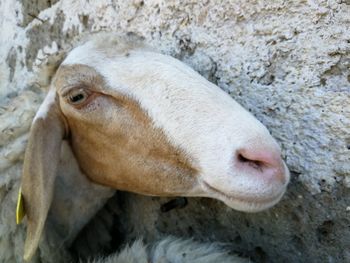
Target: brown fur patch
(115,141)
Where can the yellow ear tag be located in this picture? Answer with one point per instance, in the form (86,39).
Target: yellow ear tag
(20,213)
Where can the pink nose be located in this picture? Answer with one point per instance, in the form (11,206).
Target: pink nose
(268,164)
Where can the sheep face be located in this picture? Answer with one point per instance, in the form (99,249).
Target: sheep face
(140,121)
(144,122)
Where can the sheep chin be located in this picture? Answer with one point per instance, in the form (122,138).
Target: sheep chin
(245,204)
(251,207)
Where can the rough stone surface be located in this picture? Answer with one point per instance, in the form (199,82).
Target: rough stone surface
(288,62)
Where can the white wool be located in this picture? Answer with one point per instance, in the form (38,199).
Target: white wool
(172,250)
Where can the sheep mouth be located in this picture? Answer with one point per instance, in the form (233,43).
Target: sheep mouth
(253,203)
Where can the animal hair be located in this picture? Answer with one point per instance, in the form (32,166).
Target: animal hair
(170,250)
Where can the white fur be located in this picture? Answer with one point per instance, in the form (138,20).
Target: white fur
(44,107)
(171,250)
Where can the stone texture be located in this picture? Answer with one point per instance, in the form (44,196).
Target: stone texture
(288,62)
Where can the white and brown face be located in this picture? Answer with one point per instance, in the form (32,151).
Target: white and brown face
(144,122)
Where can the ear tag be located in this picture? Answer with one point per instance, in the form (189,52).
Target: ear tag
(20,213)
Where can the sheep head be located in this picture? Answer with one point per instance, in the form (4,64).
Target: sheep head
(140,121)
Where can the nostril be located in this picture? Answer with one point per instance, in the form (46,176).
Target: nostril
(259,158)
(242,159)
(253,163)
(267,162)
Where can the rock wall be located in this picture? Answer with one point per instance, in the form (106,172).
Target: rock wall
(288,62)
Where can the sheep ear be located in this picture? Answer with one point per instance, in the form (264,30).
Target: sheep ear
(39,169)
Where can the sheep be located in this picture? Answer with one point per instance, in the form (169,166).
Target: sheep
(140,121)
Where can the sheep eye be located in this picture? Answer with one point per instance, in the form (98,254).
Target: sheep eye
(77,97)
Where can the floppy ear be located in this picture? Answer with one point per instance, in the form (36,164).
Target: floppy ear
(40,167)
